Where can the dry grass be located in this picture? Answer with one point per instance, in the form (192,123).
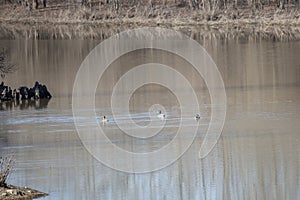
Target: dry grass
(101,21)
(62,13)
(246,29)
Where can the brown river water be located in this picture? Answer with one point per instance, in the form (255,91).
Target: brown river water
(256,157)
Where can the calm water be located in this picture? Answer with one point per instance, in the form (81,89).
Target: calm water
(257,156)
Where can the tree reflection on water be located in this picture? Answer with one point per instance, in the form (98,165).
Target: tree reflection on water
(24,104)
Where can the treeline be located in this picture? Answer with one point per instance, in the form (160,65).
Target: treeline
(206,5)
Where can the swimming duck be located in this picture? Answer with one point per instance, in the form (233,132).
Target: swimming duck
(104,119)
(197,117)
(160,115)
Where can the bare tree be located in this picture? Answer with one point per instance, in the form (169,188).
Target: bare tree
(5,65)
(116,4)
(86,3)
(5,168)
(194,4)
(281,4)
(36,3)
(32,4)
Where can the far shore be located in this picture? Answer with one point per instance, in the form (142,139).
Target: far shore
(267,22)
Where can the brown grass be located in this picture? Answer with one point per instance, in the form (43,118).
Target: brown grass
(63,13)
(71,21)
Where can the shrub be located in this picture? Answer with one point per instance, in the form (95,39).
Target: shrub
(5,168)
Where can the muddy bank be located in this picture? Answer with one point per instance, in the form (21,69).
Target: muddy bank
(10,192)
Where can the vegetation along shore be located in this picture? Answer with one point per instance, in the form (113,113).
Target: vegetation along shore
(9,192)
(276,19)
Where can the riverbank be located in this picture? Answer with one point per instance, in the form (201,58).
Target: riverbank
(170,15)
(10,192)
(53,21)
(84,22)
(73,23)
